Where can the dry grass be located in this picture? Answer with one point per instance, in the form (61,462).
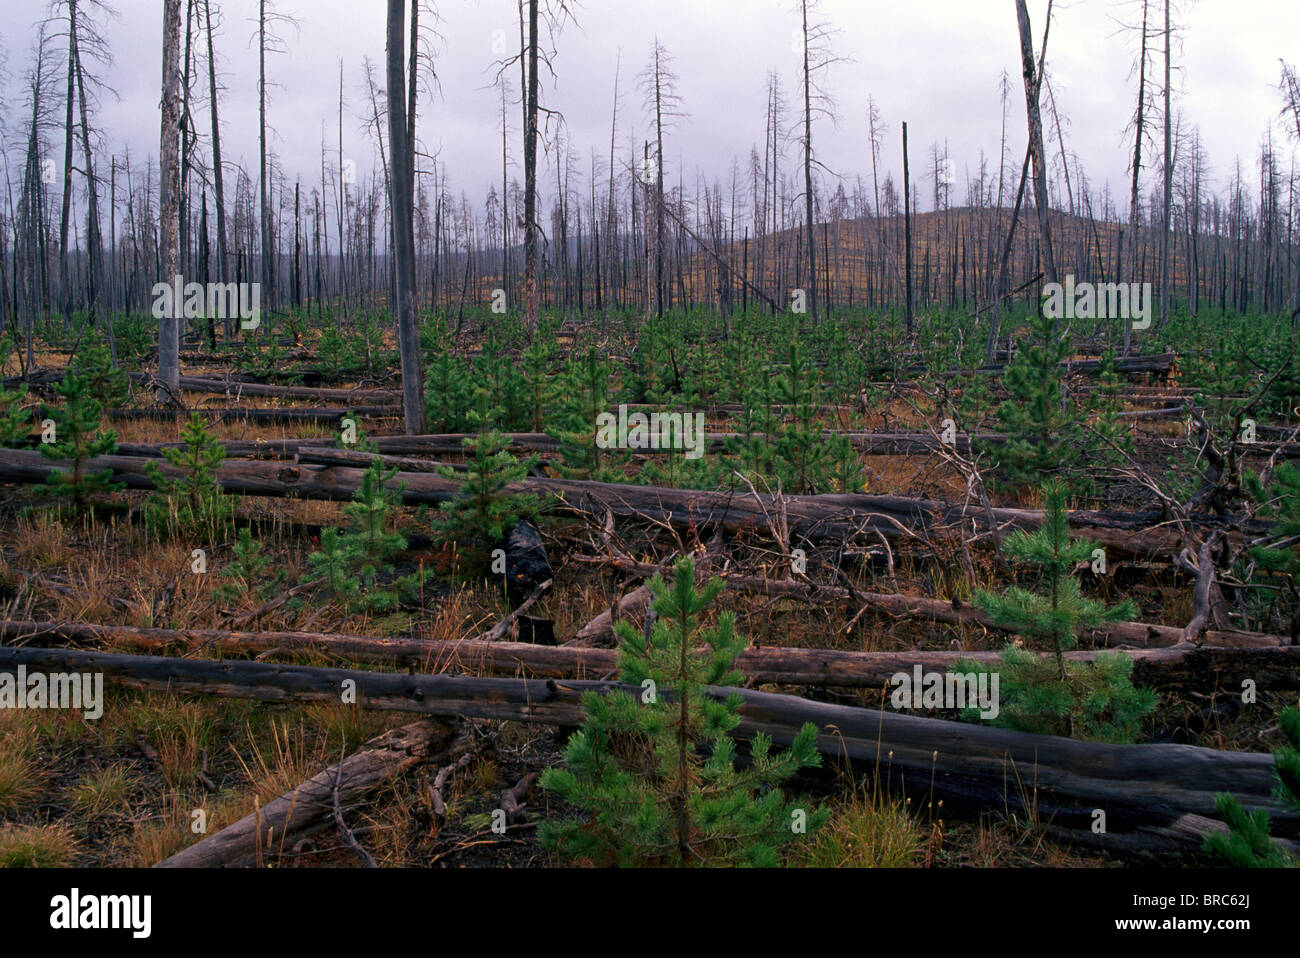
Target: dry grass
(172,828)
(865,832)
(36,846)
(290,758)
(42,540)
(20,782)
(102,792)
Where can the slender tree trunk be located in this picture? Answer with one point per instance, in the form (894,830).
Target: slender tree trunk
(907,233)
(268,270)
(1033,85)
(811,234)
(532,301)
(1134,195)
(401,150)
(219,195)
(342,199)
(169,368)
(1169,174)
(94,243)
(659,184)
(65,289)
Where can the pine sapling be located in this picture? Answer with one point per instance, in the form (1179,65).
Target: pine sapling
(242,576)
(1108,440)
(191,503)
(15,421)
(333,564)
(484,511)
(1052,695)
(109,385)
(448,390)
(370,542)
(585,391)
(801,449)
(654,773)
(1247,843)
(1042,423)
(78,439)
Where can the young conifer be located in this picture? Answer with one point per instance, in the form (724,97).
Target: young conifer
(1043,425)
(585,391)
(241,577)
(1247,843)
(1281,503)
(448,390)
(802,451)
(110,386)
(654,772)
(333,563)
(15,421)
(370,543)
(485,511)
(1279,555)
(77,439)
(192,503)
(1052,695)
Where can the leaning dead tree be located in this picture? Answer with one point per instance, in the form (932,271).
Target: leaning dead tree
(1033,77)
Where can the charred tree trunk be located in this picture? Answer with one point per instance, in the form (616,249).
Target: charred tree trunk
(169,341)
(401,182)
(1033,77)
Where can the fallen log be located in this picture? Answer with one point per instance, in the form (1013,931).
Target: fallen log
(322,456)
(818,517)
(1156,797)
(1177,668)
(1125,365)
(951,611)
(309,808)
(258,415)
(234,389)
(867,443)
(449,443)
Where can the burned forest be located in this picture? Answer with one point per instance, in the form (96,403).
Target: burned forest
(807,435)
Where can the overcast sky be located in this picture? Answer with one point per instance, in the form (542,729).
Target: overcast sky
(935,64)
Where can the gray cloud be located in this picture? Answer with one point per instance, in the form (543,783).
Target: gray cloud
(936,65)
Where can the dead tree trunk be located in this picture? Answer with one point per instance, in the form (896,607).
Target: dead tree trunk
(401,182)
(532,294)
(169,339)
(1033,77)
(818,518)
(907,233)
(217,181)
(1157,797)
(309,807)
